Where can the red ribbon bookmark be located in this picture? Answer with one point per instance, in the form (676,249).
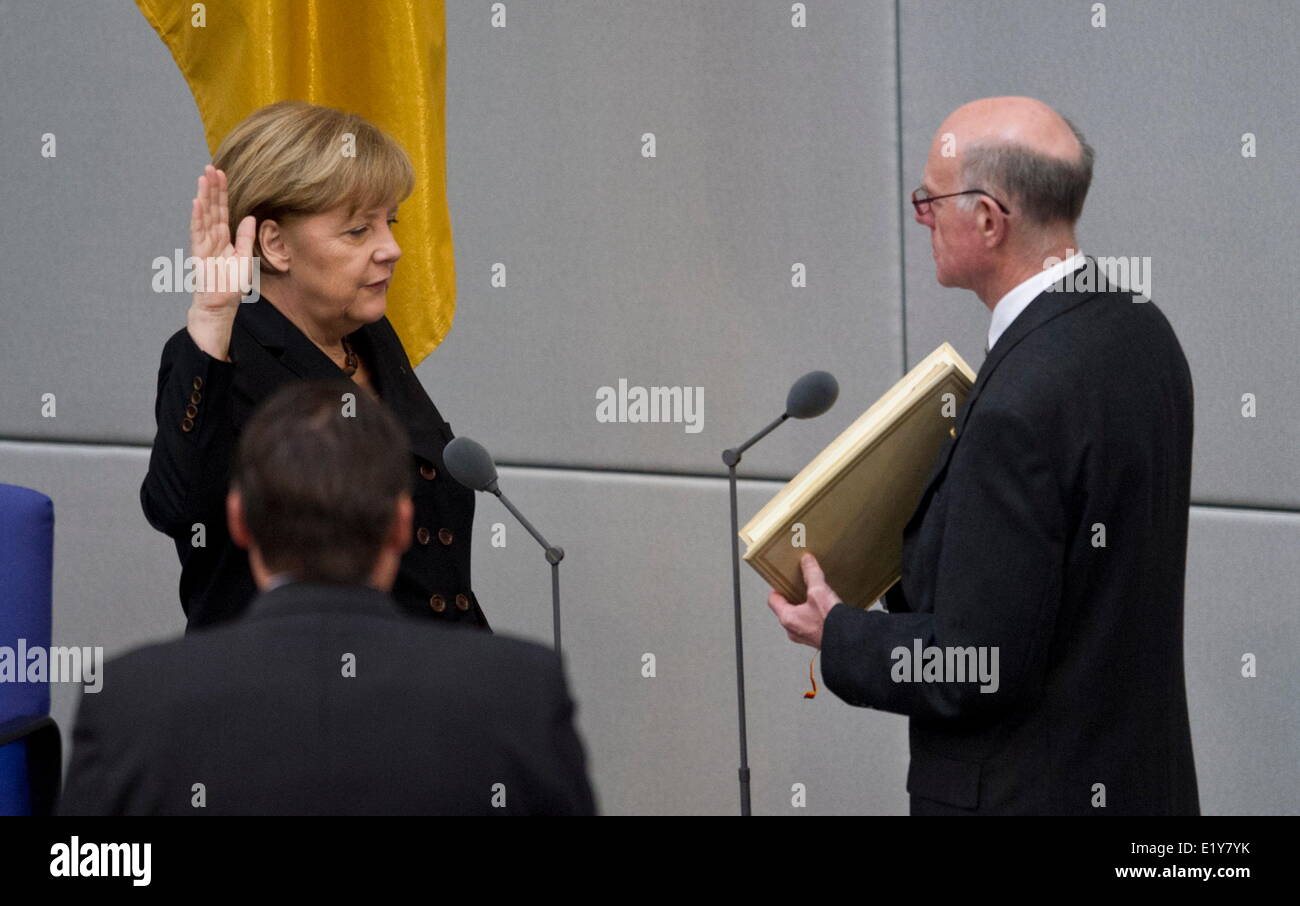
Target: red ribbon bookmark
(812,679)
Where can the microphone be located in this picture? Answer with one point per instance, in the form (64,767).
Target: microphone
(809,397)
(812,395)
(471,465)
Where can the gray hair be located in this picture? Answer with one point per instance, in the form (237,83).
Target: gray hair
(1048,189)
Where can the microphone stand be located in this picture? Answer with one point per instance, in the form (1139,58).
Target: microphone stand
(553,556)
(730,458)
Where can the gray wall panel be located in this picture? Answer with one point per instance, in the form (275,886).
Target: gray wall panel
(774,144)
(1163,93)
(81,230)
(1241,580)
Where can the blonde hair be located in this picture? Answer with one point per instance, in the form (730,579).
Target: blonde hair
(289,159)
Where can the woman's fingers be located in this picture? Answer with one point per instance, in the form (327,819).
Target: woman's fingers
(210,239)
(244,237)
(210,219)
(199,218)
(203,207)
(196,226)
(223,210)
(214,208)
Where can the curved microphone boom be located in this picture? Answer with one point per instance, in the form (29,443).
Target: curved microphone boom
(809,397)
(471,465)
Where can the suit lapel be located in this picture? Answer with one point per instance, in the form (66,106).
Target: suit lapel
(279,336)
(403,393)
(286,342)
(1046,306)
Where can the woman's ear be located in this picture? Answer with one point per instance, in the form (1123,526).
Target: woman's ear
(275,251)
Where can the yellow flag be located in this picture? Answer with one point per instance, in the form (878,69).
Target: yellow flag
(382,59)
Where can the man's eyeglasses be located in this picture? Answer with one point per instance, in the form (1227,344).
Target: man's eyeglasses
(921,199)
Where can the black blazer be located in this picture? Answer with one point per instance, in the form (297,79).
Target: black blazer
(327,700)
(201,408)
(1080,421)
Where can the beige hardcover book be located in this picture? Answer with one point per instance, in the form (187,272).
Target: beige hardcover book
(855,497)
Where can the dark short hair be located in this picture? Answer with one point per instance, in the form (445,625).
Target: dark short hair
(1048,189)
(319,467)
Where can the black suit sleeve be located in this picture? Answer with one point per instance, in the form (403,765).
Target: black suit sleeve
(557,775)
(998,584)
(190,461)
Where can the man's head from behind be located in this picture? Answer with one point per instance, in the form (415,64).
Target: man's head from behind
(1032,168)
(321,487)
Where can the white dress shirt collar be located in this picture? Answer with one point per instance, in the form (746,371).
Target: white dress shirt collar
(1013,303)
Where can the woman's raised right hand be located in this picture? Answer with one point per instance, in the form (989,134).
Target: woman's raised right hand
(212,312)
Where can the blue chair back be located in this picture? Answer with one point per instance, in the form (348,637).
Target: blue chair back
(26,620)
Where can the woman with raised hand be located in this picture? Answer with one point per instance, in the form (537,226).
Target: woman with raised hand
(316,225)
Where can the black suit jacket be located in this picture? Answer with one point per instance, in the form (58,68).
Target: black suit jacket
(201,408)
(1080,422)
(435,719)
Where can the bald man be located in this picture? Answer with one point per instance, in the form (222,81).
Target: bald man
(1036,637)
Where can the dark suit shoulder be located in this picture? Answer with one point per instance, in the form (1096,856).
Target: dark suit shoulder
(396,650)
(1093,351)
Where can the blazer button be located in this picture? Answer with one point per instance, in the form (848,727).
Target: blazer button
(428,472)
(462,602)
(191,410)
(445,536)
(422,535)
(195,396)
(438,603)
(187,424)
(197,383)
